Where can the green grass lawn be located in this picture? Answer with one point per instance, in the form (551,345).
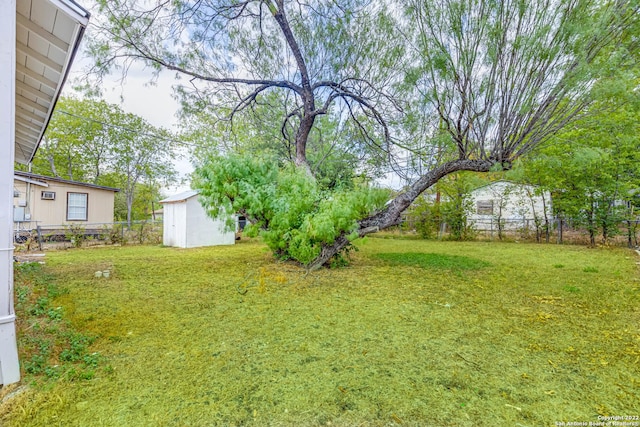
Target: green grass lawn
(412,333)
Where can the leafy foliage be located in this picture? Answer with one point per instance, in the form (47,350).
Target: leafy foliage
(92,141)
(336,153)
(451,206)
(145,194)
(425,217)
(289,209)
(76,234)
(502,76)
(301,61)
(592,168)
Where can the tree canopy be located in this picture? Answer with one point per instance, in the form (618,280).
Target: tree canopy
(326,58)
(459,84)
(592,168)
(93,141)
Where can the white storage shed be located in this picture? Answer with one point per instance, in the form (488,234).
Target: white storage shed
(187,225)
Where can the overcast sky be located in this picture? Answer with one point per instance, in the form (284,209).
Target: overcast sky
(154,103)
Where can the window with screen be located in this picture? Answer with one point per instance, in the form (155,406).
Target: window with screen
(77,206)
(485,207)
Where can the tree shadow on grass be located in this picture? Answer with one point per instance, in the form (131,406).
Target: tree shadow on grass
(433,261)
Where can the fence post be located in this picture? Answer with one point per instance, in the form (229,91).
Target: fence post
(39,234)
(560,225)
(491,228)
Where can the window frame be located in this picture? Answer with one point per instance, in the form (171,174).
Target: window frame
(487,207)
(86,206)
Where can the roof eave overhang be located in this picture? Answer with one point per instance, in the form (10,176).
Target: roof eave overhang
(30,181)
(48,36)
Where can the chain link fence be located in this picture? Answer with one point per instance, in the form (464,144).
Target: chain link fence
(557,230)
(29,235)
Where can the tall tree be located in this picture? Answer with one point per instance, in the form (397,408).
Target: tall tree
(76,143)
(93,141)
(334,157)
(494,79)
(500,78)
(321,55)
(592,168)
(142,154)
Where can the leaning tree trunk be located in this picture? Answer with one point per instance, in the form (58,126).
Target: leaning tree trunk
(391,214)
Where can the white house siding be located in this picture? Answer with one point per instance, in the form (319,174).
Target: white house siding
(9,367)
(180,222)
(514,204)
(47,23)
(169,224)
(52,214)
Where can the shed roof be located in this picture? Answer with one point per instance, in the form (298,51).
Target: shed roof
(48,34)
(502,182)
(43,179)
(180,197)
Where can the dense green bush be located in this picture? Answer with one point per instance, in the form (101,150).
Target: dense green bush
(290,210)
(426,217)
(76,234)
(456,212)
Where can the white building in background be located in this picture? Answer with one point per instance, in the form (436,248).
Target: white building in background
(517,206)
(187,225)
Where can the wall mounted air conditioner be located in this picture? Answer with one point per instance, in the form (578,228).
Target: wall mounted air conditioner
(48,195)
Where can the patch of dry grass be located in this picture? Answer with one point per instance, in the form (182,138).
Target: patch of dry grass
(528,335)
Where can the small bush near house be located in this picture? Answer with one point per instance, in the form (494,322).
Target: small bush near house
(145,233)
(426,217)
(140,233)
(76,234)
(114,235)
